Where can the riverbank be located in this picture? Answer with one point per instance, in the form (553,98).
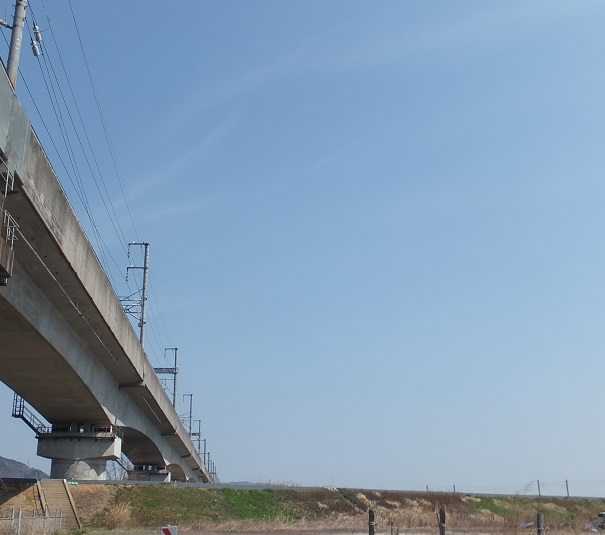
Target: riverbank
(130,508)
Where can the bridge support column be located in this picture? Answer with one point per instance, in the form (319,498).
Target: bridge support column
(150,473)
(79,451)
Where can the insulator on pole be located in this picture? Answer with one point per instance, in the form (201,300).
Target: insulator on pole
(37,33)
(35,48)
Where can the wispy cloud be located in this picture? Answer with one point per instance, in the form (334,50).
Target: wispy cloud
(177,166)
(340,49)
(344,48)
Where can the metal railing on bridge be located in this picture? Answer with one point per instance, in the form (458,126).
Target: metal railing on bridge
(21,410)
(9,229)
(8,225)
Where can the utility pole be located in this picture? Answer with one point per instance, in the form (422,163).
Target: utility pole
(172,371)
(12,67)
(190,409)
(198,434)
(204,453)
(143,301)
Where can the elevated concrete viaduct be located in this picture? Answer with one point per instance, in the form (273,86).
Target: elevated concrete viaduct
(66,345)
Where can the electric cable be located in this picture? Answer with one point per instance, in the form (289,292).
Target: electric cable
(118,174)
(114,160)
(54,90)
(104,251)
(119,230)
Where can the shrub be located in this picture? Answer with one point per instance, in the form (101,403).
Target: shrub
(118,516)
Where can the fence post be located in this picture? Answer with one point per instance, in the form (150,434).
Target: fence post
(442,521)
(371,522)
(19,523)
(540,523)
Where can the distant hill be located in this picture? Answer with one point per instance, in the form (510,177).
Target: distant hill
(10,468)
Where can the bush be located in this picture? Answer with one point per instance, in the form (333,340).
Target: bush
(118,516)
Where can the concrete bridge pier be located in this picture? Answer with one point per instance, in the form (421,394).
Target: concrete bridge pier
(80,451)
(150,473)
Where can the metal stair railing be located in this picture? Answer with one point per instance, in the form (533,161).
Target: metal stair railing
(20,410)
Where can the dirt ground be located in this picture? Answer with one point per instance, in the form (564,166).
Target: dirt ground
(92,499)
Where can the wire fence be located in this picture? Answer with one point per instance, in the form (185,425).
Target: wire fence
(19,523)
(562,488)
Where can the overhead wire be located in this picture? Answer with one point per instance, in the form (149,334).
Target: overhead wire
(118,173)
(111,213)
(108,204)
(156,337)
(119,231)
(162,322)
(52,93)
(97,234)
(109,145)
(81,194)
(56,95)
(59,102)
(113,158)
(79,191)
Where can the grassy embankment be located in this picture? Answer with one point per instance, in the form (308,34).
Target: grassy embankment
(214,510)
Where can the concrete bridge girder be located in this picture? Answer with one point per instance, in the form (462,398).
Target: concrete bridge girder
(66,345)
(84,391)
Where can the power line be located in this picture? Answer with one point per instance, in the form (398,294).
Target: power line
(119,231)
(79,188)
(118,174)
(58,102)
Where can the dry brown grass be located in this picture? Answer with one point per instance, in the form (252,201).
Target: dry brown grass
(118,516)
(323,511)
(336,525)
(27,528)
(92,499)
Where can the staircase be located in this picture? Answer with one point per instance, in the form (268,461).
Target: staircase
(56,496)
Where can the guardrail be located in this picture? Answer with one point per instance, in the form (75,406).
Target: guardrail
(7,177)
(21,410)
(9,229)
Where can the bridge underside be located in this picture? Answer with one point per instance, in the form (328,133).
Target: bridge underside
(66,345)
(51,368)
(40,375)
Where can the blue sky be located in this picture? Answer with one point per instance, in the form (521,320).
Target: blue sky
(375,227)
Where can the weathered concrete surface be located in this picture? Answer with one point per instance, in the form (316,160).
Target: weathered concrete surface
(66,345)
(7,258)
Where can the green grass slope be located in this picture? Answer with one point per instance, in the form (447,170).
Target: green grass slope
(321,509)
